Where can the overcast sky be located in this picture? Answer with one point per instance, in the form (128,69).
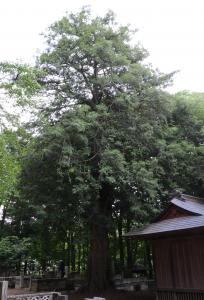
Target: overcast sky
(171,30)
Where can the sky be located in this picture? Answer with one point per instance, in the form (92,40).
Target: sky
(171,30)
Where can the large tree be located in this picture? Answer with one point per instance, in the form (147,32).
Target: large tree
(106,110)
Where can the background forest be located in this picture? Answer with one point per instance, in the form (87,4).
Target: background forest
(104,148)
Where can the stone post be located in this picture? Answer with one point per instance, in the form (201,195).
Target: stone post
(66,270)
(3,290)
(30,283)
(144,286)
(21,284)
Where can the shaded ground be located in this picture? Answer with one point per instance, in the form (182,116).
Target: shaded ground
(19,291)
(108,295)
(116,295)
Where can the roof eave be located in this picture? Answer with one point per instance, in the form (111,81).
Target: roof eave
(172,233)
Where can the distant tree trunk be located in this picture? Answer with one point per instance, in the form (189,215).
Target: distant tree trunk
(79,259)
(148,259)
(3,218)
(69,253)
(129,247)
(43,264)
(134,250)
(18,267)
(84,258)
(114,255)
(120,242)
(73,253)
(25,267)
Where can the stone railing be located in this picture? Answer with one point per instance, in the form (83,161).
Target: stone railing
(39,284)
(38,296)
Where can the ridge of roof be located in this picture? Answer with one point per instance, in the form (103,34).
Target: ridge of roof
(189,205)
(192,198)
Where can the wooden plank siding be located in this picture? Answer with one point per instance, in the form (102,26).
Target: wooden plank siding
(162,263)
(180,295)
(179,263)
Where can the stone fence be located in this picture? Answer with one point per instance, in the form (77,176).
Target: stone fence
(17,281)
(39,296)
(39,284)
(36,296)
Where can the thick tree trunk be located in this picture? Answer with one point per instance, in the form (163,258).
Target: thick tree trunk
(98,261)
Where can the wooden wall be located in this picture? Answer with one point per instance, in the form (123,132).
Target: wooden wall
(179,263)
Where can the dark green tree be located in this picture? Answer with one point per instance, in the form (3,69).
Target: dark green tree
(106,110)
(181,153)
(12,251)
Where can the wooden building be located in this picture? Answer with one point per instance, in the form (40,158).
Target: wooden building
(177,238)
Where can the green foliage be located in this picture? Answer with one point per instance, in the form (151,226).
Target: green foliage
(20,81)
(13,250)
(90,61)
(194,101)
(9,164)
(181,155)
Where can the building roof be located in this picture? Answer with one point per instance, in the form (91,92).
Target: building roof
(169,226)
(193,221)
